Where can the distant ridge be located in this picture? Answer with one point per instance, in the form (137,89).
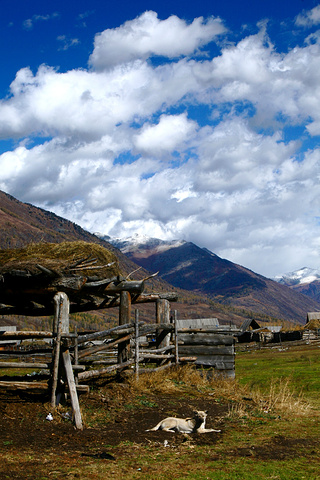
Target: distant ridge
(187,266)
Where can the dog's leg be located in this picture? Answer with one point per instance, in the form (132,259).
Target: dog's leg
(207,430)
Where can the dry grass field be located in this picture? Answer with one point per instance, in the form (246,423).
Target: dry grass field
(269,421)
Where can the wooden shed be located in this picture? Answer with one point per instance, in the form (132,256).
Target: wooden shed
(212,344)
(249,331)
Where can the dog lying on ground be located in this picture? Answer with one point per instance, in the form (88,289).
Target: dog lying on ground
(196,423)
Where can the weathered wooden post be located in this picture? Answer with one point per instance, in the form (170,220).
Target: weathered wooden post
(124,317)
(61,313)
(61,323)
(76,353)
(176,350)
(163,316)
(137,343)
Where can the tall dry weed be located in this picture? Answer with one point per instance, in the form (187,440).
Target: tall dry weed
(280,399)
(190,380)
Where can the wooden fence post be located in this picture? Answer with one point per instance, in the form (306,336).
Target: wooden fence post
(176,351)
(137,343)
(61,323)
(124,317)
(163,316)
(60,304)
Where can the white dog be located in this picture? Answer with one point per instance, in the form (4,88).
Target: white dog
(185,425)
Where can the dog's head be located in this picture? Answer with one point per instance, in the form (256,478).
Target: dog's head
(201,414)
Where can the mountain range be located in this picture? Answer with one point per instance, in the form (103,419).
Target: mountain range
(189,267)
(207,285)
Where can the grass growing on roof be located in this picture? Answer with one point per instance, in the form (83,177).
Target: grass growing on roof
(59,257)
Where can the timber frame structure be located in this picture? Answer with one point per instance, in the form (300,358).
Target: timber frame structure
(24,293)
(51,292)
(83,285)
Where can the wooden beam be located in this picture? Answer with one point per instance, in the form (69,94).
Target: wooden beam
(105,333)
(98,373)
(72,390)
(7,385)
(78,304)
(23,335)
(124,318)
(101,348)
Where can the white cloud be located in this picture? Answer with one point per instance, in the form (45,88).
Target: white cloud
(147,35)
(29,23)
(66,42)
(195,148)
(164,138)
(309,17)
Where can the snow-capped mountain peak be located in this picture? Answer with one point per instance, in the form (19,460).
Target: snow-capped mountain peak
(148,245)
(303,275)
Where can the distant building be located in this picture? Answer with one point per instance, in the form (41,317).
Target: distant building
(313,317)
(198,323)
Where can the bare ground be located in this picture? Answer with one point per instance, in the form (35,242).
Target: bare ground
(24,427)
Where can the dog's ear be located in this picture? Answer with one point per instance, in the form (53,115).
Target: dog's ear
(206,412)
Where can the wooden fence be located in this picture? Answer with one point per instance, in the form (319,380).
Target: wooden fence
(71,360)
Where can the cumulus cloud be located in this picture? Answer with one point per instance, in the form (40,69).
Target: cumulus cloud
(201,148)
(164,138)
(309,18)
(147,35)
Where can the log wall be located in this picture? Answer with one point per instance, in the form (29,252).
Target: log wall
(213,347)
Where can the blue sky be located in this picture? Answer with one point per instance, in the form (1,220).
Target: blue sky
(172,119)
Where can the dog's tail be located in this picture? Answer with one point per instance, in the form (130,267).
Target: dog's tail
(154,428)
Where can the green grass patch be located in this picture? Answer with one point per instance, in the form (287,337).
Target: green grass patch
(301,364)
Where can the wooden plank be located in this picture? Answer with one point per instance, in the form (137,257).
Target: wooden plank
(157,350)
(72,389)
(223,329)
(24,365)
(23,385)
(35,365)
(105,333)
(206,339)
(152,356)
(216,361)
(206,350)
(198,322)
(19,335)
(131,286)
(101,348)
(102,371)
(35,386)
